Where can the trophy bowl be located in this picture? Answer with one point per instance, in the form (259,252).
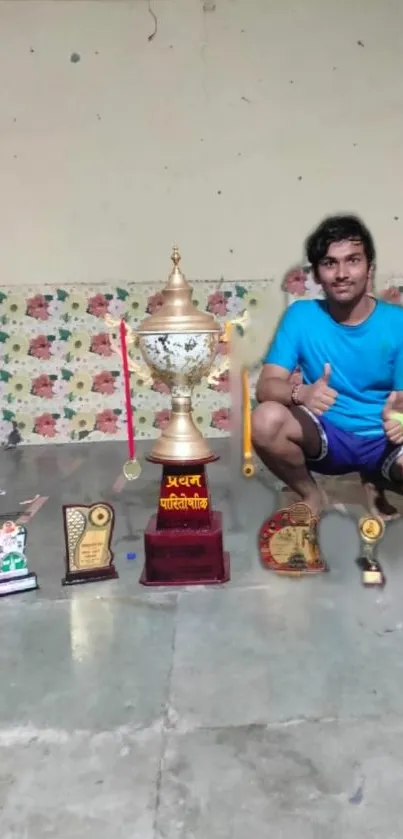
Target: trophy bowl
(179,344)
(179,358)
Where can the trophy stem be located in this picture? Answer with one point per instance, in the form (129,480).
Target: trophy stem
(181,441)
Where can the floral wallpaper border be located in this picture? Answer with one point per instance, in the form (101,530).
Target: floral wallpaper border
(60,379)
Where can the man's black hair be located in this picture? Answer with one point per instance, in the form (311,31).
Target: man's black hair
(338,229)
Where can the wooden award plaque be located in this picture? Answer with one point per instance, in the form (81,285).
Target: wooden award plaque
(88,535)
(288,542)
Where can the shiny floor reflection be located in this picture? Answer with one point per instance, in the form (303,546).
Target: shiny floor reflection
(150,714)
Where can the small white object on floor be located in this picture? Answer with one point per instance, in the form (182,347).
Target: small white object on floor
(341,508)
(30,500)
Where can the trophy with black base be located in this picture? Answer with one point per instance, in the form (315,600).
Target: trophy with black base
(88,535)
(372,530)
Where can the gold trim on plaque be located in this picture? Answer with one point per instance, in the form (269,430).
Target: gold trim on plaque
(99,516)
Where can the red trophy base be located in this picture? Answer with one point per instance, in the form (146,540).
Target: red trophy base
(183,541)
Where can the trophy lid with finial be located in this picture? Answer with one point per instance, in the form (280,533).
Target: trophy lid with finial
(178,313)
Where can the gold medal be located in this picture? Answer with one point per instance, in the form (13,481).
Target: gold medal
(132,470)
(371,528)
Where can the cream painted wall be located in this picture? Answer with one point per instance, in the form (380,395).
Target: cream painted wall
(233,131)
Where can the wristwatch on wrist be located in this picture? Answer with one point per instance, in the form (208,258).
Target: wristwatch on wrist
(295,399)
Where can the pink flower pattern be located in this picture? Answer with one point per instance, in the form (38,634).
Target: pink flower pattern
(294,282)
(37,307)
(39,347)
(43,386)
(98,306)
(222,382)
(160,387)
(45,425)
(104,383)
(106,421)
(217,303)
(221,418)
(161,419)
(154,303)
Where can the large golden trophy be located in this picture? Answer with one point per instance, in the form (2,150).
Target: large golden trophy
(179,344)
(183,541)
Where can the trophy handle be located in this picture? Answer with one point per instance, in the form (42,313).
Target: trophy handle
(223,365)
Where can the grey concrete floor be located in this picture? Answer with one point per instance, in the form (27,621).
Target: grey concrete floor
(269,707)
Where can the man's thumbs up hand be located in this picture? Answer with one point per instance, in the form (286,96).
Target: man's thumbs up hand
(393,419)
(389,404)
(326,372)
(319,397)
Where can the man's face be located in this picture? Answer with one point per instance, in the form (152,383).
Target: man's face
(344,273)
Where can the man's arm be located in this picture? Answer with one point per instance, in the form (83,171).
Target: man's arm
(281,360)
(274,385)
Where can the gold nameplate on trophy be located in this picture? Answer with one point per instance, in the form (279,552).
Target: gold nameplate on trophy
(372,530)
(88,535)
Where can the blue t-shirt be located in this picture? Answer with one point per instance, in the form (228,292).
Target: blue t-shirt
(366,359)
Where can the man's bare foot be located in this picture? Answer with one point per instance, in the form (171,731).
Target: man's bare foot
(317,501)
(377,503)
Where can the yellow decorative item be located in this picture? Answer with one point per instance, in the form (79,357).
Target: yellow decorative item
(248,466)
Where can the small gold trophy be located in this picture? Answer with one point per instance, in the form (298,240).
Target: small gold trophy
(372,530)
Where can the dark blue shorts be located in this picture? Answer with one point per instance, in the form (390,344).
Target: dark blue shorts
(343,452)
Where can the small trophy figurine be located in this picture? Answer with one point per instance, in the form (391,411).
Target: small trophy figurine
(372,530)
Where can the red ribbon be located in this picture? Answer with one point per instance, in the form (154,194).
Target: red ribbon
(126,376)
